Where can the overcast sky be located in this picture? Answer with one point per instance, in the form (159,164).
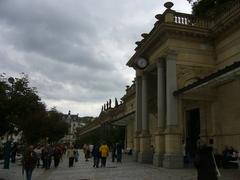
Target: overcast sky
(75,51)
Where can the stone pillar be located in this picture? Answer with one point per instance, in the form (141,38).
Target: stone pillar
(173,157)
(138,117)
(159,136)
(145,154)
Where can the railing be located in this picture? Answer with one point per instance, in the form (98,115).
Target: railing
(183,19)
(187,19)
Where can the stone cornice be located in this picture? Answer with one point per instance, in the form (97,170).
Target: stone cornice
(162,32)
(172,24)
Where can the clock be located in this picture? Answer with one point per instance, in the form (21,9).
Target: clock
(142,63)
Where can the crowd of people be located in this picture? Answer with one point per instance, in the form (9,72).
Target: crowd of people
(100,152)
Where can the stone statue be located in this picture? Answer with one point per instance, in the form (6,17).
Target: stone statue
(116,102)
(110,102)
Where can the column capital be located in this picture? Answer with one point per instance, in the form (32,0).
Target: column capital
(144,76)
(160,63)
(171,55)
(139,73)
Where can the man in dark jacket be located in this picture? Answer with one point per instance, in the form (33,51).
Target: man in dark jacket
(204,162)
(119,152)
(29,162)
(96,155)
(6,154)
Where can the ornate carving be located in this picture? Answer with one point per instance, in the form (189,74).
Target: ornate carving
(188,74)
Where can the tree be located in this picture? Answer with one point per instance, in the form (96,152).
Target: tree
(21,108)
(209,9)
(56,128)
(4,99)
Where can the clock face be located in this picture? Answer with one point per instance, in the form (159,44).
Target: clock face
(142,63)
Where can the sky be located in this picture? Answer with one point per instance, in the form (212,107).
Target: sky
(75,51)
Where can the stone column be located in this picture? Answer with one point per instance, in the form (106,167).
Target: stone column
(145,154)
(159,136)
(173,157)
(138,117)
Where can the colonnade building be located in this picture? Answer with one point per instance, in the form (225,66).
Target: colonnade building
(187,87)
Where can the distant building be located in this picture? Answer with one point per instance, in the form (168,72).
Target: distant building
(75,122)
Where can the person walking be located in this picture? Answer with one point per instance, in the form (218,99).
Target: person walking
(206,164)
(6,154)
(96,155)
(56,155)
(86,151)
(70,155)
(14,152)
(48,156)
(113,148)
(38,152)
(29,162)
(76,155)
(104,151)
(119,152)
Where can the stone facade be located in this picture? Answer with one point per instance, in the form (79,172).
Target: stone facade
(189,89)
(181,51)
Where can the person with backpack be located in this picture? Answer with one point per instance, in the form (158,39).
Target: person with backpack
(104,151)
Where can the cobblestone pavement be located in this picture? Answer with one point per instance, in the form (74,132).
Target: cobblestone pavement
(127,170)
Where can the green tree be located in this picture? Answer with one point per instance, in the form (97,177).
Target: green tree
(56,128)
(4,99)
(21,108)
(209,9)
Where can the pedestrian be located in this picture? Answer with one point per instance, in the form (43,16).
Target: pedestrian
(86,151)
(104,151)
(48,156)
(44,156)
(14,152)
(206,164)
(6,154)
(70,155)
(119,149)
(113,148)
(90,150)
(56,155)
(29,162)
(76,155)
(38,152)
(96,155)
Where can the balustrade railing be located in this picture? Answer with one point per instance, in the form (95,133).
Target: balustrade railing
(187,19)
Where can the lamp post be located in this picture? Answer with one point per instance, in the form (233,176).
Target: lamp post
(11,81)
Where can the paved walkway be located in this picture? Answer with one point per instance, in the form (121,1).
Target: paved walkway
(127,170)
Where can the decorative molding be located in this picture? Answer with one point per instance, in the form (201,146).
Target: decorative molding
(186,73)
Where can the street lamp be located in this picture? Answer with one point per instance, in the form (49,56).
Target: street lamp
(11,80)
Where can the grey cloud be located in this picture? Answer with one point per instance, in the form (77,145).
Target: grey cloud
(73,50)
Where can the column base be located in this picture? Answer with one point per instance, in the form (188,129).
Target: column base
(158,159)
(145,157)
(173,161)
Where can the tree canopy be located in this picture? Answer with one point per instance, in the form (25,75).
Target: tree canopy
(21,110)
(209,9)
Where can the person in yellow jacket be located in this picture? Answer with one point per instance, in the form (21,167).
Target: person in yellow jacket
(104,151)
